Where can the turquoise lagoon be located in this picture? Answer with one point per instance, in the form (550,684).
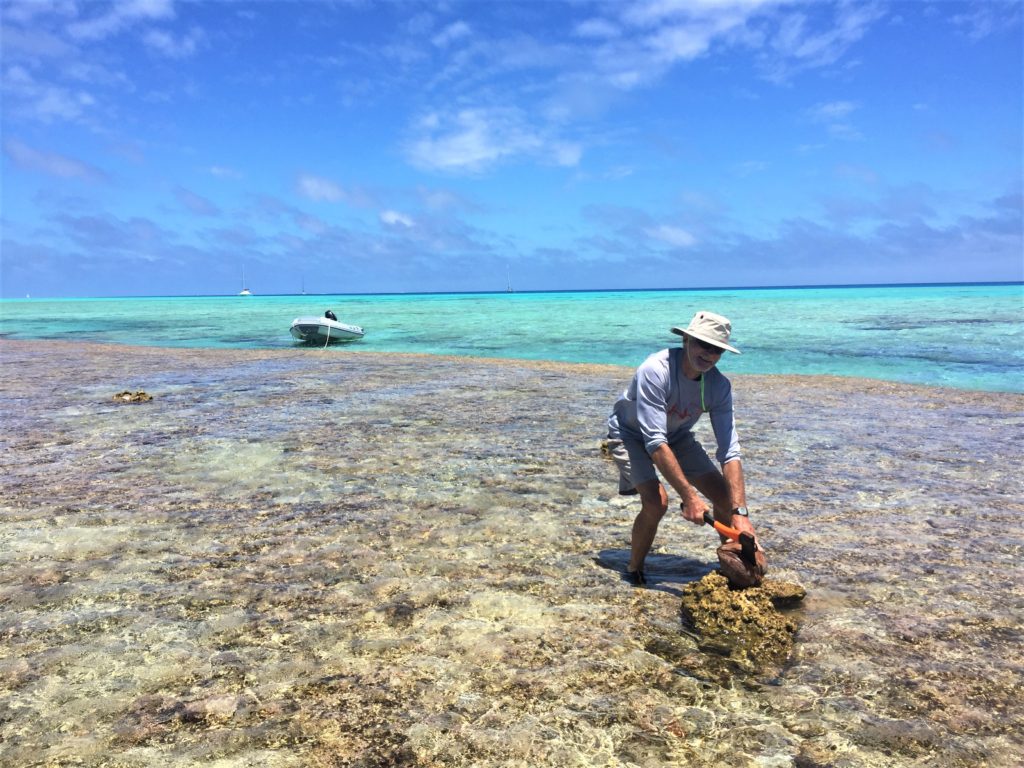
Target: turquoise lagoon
(961,336)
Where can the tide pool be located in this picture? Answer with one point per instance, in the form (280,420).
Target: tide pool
(961,336)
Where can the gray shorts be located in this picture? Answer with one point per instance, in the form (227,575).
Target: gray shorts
(635,465)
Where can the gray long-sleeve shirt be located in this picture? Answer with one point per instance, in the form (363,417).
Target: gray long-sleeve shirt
(661,404)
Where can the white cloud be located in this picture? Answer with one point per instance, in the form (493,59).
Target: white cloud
(637,42)
(619,172)
(665,32)
(627,79)
(120,16)
(984,19)
(685,30)
(396,219)
(223,172)
(444,200)
(647,38)
(18,78)
(173,47)
(41,101)
(51,163)
(681,42)
(568,154)
(319,189)
(475,139)
(749,167)
(420,24)
(653,12)
(832,111)
(796,46)
(429,121)
(677,237)
(33,44)
(96,74)
(471,139)
(59,103)
(25,11)
(845,131)
(597,29)
(834,115)
(452,33)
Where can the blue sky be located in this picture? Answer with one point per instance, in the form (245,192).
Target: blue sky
(153,147)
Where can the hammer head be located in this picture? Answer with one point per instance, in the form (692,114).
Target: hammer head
(742,563)
(748,548)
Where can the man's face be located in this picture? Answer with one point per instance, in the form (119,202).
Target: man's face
(701,355)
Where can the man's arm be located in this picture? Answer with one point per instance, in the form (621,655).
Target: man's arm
(733,472)
(694,506)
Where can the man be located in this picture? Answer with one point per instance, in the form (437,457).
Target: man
(649,433)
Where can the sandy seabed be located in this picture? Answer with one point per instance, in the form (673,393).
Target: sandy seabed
(312,557)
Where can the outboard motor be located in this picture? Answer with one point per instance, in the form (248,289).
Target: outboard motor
(330,315)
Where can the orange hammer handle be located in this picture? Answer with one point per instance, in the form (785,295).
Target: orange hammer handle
(722,528)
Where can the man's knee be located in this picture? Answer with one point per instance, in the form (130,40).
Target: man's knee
(714,487)
(653,499)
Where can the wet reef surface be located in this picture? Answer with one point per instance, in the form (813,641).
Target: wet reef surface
(749,627)
(318,558)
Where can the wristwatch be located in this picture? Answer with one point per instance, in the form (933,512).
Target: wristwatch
(741,511)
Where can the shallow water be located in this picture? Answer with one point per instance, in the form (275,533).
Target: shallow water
(962,336)
(305,558)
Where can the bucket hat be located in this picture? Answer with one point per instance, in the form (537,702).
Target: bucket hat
(709,327)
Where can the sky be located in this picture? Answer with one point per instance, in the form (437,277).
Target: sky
(154,147)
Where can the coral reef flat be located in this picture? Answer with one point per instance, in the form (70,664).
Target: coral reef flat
(297,557)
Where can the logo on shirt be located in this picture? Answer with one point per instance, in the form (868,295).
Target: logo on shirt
(684,414)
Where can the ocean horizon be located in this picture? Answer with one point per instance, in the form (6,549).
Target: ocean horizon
(960,335)
(782,287)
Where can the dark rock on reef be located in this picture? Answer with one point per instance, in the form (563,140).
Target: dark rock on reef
(745,626)
(741,570)
(132,397)
(783,594)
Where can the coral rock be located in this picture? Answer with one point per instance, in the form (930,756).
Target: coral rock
(744,625)
(132,397)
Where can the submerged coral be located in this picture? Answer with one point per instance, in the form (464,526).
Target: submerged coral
(745,626)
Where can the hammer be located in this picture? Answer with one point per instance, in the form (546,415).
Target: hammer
(745,539)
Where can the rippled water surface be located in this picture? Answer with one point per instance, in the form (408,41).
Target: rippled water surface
(962,336)
(298,557)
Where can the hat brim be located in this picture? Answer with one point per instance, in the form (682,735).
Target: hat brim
(701,337)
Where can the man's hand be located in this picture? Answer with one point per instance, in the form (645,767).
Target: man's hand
(741,524)
(693,508)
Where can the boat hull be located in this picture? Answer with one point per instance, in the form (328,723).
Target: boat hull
(321,330)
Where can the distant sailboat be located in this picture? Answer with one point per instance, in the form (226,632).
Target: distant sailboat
(508,276)
(245,291)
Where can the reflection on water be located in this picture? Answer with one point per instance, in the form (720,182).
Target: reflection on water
(303,558)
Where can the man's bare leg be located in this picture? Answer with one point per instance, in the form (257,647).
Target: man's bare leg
(654,503)
(713,487)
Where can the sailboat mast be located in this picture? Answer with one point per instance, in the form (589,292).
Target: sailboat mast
(245,291)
